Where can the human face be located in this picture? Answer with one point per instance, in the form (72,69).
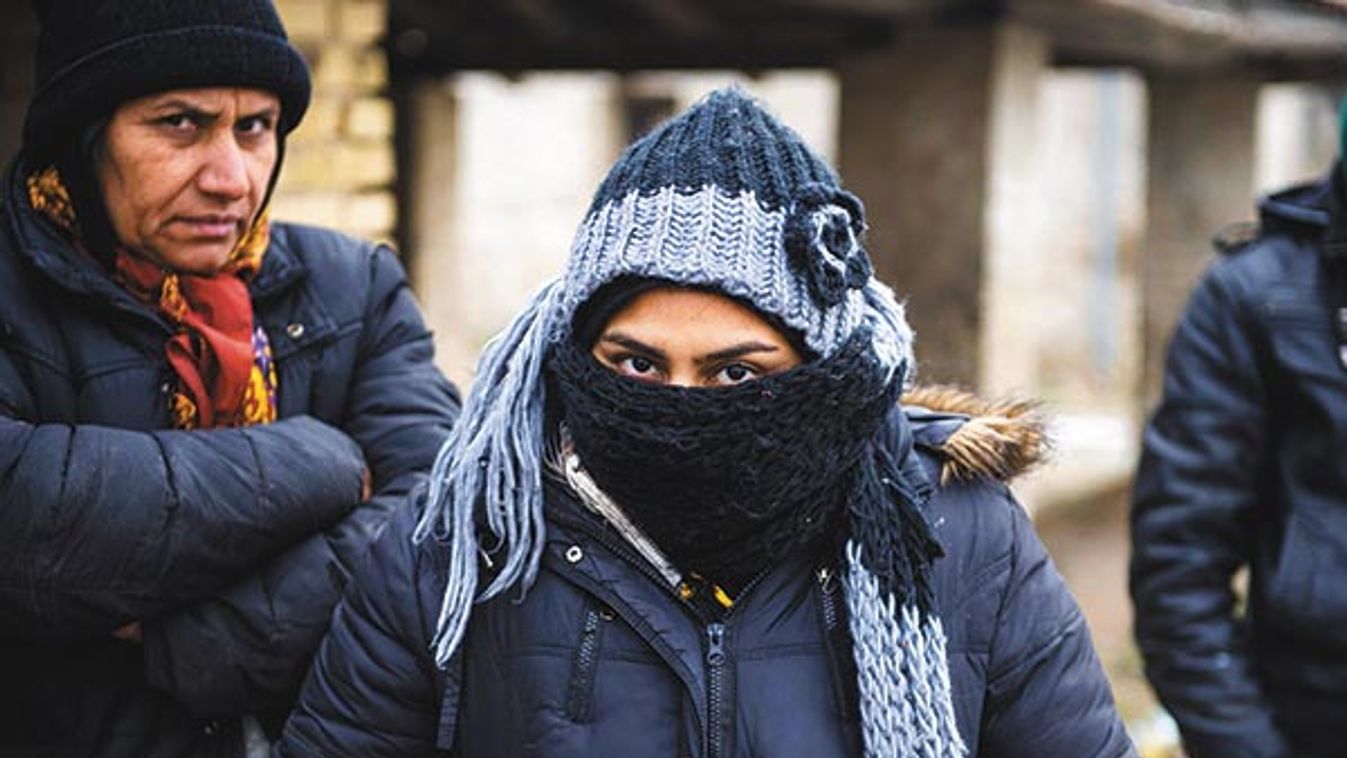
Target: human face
(183,173)
(692,338)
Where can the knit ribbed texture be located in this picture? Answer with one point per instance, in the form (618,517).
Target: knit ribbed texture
(726,197)
(93,55)
(903,675)
(728,481)
(726,141)
(714,238)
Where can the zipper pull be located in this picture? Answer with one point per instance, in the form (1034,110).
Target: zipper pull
(1342,336)
(715,644)
(827,580)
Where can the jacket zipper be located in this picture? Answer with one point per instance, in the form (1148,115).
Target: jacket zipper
(715,678)
(582,676)
(716,654)
(717,673)
(827,580)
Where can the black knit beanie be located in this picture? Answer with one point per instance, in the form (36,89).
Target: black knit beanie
(93,55)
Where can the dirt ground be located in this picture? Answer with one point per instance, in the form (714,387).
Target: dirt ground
(1088,540)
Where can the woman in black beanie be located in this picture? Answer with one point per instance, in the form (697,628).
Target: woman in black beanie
(204,415)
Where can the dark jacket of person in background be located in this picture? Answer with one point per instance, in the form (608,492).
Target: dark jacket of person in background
(1245,465)
(165,578)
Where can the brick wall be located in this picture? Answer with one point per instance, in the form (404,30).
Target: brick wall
(340,163)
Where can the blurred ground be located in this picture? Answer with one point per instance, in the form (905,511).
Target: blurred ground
(1088,540)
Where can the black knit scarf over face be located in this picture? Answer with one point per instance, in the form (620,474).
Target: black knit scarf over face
(726,481)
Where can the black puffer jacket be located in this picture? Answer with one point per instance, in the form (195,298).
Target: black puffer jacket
(1245,464)
(602,658)
(231,546)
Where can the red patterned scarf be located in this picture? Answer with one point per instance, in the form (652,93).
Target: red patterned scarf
(223,363)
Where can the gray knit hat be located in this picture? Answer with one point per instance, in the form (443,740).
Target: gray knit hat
(728,197)
(722,196)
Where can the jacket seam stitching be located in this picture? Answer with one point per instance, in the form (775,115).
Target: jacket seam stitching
(263,501)
(1070,627)
(1013,554)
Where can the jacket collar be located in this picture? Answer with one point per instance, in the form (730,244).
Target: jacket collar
(281,268)
(49,252)
(1317,209)
(1335,238)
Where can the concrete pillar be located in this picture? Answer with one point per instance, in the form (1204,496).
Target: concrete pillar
(1200,178)
(937,136)
(430,164)
(497,176)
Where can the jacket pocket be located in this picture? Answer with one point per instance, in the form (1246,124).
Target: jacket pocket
(585,663)
(1306,595)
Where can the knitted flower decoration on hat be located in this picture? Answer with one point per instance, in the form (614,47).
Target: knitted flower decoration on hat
(724,197)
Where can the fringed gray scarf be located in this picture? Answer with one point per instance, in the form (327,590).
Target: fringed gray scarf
(485,504)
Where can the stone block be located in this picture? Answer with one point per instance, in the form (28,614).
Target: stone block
(317,208)
(310,166)
(371,72)
(373,212)
(369,118)
(363,164)
(362,21)
(321,123)
(348,69)
(306,20)
(335,69)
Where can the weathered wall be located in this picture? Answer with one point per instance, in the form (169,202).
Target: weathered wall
(340,166)
(1200,178)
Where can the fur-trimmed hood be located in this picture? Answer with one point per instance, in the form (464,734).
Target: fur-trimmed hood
(976,437)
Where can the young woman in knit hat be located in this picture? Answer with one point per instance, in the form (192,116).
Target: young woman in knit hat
(684,514)
(204,416)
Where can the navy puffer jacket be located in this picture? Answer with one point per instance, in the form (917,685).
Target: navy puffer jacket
(603,658)
(230,546)
(1245,465)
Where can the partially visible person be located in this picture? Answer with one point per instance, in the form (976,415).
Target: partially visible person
(205,416)
(1244,466)
(684,515)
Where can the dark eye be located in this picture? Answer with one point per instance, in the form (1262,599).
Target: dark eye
(255,125)
(736,373)
(638,367)
(178,122)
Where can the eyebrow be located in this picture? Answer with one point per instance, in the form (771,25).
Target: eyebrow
(270,111)
(736,351)
(631,343)
(176,104)
(729,353)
